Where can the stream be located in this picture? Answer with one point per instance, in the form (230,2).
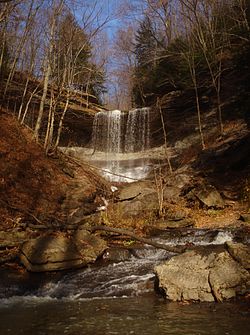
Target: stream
(117,297)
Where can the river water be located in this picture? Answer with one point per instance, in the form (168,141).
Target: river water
(116,298)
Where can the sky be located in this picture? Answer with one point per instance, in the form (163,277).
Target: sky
(117,14)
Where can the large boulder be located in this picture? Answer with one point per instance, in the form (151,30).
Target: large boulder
(208,196)
(196,276)
(134,190)
(58,252)
(185,277)
(227,277)
(136,198)
(239,252)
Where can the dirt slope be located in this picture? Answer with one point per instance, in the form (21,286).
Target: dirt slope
(33,187)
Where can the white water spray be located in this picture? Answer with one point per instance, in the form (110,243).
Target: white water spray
(119,134)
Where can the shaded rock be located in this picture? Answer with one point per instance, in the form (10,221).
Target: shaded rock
(172,224)
(245,218)
(77,215)
(12,238)
(176,214)
(133,190)
(228,278)
(171,193)
(136,198)
(130,208)
(179,180)
(240,252)
(199,276)
(117,255)
(89,244)
(51,253)
(209,196)
(139,205)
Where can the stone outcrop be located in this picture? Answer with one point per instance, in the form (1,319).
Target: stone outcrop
(239,252)
(58,252)
(143,196)
(207,195)
(136,198)
(195,276)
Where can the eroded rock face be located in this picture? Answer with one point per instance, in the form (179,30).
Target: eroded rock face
(185,277)
(195,276)
(58,252)
(136,198)
(227,277)
(239,252)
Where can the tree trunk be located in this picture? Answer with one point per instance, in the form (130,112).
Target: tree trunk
(60,126)
(138,238)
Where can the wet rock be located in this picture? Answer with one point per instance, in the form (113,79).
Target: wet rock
(240,252)
(58,252)
(198,276)
(117,255)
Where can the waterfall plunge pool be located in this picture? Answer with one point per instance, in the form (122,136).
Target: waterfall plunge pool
(147,315)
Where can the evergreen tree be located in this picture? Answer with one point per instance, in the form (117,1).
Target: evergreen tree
(145,52)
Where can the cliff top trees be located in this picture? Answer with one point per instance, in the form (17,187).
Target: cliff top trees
(47,46)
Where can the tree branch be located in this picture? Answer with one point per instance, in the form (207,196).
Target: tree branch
(138,238)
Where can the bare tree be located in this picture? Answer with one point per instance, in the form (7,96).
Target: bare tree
(208,30)
(56,10)
(20,45)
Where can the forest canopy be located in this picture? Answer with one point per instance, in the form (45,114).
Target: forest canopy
(129,56)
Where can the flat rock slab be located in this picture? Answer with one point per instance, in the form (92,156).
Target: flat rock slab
(58,252)
(133,190)
(195,276)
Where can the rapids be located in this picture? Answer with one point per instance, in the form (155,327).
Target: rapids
(117,297)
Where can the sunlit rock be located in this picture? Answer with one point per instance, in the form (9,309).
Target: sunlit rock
(196,276)
(58,252)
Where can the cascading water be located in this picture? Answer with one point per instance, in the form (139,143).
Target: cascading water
(137,130)
(119,135)
(116,297)
(107,131)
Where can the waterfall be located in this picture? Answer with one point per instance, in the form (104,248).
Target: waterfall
(106,134)
(137,130)
(119,134)
(116,131)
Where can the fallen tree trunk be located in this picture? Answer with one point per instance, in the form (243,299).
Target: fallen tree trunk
(148,241)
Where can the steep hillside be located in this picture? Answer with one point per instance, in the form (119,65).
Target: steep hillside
(38,189)
(80,107)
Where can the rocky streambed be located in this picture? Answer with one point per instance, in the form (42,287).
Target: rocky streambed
(215,267)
